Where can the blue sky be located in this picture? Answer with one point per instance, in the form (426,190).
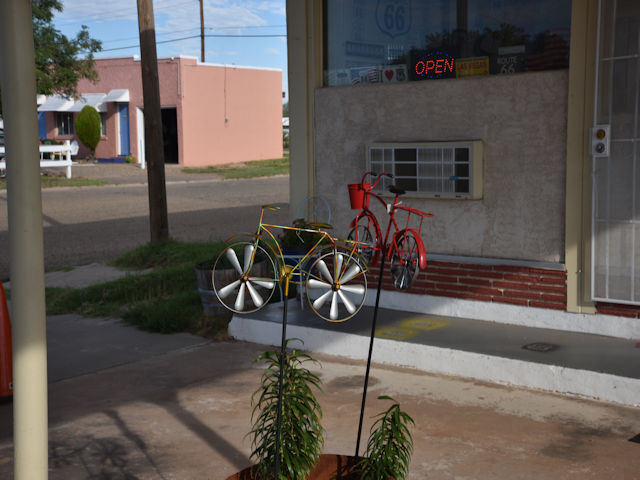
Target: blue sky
(115,23)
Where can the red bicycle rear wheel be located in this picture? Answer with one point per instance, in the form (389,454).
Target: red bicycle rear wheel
(405,260)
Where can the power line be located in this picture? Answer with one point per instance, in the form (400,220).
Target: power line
(239,27)
(196,36)
(158,34)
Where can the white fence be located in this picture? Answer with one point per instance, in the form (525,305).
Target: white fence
(60,156)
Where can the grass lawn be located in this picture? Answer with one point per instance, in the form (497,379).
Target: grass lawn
(165,299)
(252,169)
(51,181)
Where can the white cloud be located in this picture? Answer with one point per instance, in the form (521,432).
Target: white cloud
(277,8)
(272,51)
(78,11)
(174,15)
(218,14)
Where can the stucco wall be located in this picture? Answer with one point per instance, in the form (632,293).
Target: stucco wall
(520,118)
(242,115)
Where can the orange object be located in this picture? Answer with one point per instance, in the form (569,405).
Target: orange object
(6,362)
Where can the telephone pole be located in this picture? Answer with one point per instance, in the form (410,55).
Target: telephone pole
(201,32)
(154,152)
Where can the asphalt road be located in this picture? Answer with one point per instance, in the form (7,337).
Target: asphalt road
(95,224)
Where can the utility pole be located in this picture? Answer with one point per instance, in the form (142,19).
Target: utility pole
(154,151)
(201,32)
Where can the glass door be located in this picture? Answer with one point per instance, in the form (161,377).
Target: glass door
(616,169)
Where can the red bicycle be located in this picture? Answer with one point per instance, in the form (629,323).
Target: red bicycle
(405,251)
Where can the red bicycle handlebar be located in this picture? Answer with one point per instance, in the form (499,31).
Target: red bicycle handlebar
(373,174)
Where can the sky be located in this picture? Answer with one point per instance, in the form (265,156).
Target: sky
(255,29)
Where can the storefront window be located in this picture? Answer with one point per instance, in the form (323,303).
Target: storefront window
(388,41)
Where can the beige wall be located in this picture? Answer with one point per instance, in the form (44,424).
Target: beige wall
(520,118)
(242,115)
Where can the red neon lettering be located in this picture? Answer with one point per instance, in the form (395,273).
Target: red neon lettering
(422,71)
(446,64)
(430,65)
(439,66)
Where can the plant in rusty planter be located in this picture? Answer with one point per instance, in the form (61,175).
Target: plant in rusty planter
(302,437)
(389,447)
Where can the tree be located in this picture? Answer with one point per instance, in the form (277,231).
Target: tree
(88,128)
(60,62)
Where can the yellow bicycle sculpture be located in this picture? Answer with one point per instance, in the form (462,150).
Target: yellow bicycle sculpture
(246,273)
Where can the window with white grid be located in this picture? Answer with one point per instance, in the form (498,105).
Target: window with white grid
(451,170)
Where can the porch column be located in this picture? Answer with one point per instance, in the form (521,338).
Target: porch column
(18,80)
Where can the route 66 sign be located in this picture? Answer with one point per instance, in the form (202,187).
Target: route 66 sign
(393,16)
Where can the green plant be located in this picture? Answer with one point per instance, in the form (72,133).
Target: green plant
(129,159)
(164,299)
(293,239)
(301,433)
(88,127)
(390,445)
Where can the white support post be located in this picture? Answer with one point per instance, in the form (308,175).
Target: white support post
(24,206)
(68,156)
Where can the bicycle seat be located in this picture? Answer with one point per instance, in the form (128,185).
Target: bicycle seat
(396,190)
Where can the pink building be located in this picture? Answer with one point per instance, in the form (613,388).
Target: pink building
(211,114)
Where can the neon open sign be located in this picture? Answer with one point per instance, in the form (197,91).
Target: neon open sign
(435,65)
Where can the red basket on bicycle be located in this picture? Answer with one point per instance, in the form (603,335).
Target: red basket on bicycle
(358,195)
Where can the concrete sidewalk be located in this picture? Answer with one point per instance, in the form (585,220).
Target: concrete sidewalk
(123,173)
(126,404)
(183,414)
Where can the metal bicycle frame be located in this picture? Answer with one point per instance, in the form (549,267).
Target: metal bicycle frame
(385,247)
(269,240)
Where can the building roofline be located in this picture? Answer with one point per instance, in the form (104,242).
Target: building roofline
(136,58)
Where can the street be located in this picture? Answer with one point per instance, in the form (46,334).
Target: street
(95,224)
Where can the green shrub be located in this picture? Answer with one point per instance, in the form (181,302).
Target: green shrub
(88,128)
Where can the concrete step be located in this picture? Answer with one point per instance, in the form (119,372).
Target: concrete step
(581,364)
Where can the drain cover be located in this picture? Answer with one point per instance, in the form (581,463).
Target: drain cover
(540,347)
(635,439)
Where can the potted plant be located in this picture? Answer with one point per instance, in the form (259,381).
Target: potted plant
(295,244)
(302,435)
(296,241)
(389,447)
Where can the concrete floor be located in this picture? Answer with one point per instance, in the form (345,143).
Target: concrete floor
(183,414)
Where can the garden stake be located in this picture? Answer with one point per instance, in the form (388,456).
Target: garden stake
(282,353)
(373,331)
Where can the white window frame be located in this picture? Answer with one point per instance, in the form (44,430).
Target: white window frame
(436,174)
